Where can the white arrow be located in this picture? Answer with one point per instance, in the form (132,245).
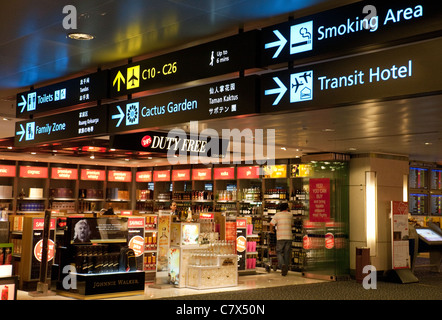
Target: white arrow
(22,104)
(281,43)
(119,116)
(22,132)
(280,91)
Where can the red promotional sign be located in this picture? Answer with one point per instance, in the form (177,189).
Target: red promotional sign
(7,171)
(181,175)
(143,176)
(248,172)
(319,200)
(38,224)
(146,141)
(202,174)
(137,245)
(64,173)
(224,173)
(120,176)
(38,250)
(241,223)
(163,175)
(91,174)
(329,240)
(33,172)
(306,242)
(207,215)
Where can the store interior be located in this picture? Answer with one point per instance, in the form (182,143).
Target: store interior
(77,179)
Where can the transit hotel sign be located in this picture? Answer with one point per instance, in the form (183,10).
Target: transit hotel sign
(351,28)
(211,59)
(409,70)
(216,100)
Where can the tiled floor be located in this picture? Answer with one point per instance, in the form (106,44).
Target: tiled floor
(261,279)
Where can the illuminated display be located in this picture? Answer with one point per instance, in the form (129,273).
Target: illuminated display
(217,100)
(202,174)
(418,204)
(7,171)
(121,176)
(181,175)
(418,178)
(85,122)
(436,179)
(162,175)
(63,94)
(276,171)
(64,173)
(207,60)
(436,204)
(347,29)
(247,172)
(224,173)
(93,175)
(33,172)
(390,73)
(143,176)
(172,144)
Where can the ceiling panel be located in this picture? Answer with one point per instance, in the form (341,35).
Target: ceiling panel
(34,50)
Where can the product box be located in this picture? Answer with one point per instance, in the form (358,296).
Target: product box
(36,193)
(5,192)
(61,193)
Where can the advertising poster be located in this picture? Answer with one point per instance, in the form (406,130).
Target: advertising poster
(97,230)
(163,241)
(135,239)
(399,233)
(37,245)
(241,242)
(231,231)
(319,193)
(174,272)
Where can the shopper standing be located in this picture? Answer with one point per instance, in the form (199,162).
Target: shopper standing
(283,221)
(174,212)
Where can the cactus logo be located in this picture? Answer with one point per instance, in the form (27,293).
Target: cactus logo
(132,114)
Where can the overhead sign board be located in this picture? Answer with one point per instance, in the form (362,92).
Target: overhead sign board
(203,61)
(216,100)
(63,94)
(350,28)
(74,124)
(402,71)
(173,144)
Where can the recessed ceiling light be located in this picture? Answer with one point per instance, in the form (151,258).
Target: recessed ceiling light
(428,143)
(328,130)
(80,36)
(283,148)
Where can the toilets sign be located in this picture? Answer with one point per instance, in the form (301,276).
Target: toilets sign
(403,71)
